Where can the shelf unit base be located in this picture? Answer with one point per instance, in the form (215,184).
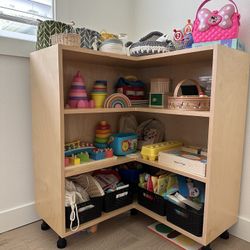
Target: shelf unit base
(135,205)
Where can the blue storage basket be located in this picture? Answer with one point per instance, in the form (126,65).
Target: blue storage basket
(123,143)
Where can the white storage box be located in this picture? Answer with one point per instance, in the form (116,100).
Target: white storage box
(184,161)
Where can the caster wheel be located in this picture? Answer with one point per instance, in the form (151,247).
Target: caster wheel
(61,243)
(133,211)
(206,247)
(44,226)
(225,235)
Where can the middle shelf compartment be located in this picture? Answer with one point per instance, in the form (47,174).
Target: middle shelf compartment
(96,165)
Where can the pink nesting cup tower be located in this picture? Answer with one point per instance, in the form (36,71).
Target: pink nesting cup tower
(77,94)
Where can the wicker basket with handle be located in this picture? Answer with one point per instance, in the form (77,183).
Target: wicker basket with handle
(199,102)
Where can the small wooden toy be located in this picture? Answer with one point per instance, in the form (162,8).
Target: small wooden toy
(103,132)
(74,160)
(66,161)
(109,152)
(97,154)
(84,157)
(157,100)
(150,152)
(76,147)
(117,100)
(160,85)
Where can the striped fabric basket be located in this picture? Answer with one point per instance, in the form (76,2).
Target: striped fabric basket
(69,39)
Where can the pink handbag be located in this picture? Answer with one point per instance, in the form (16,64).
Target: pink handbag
(216,25)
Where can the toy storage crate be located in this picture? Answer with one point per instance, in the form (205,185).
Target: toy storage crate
(187,218)
(85,215)
(152,201)
(118,199)
(131,176)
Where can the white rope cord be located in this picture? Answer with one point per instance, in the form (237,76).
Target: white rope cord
(70,200)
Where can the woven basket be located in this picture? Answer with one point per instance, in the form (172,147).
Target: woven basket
(70,39)
(191,102)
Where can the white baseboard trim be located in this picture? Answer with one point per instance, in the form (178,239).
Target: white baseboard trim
(241,229)
(17,217)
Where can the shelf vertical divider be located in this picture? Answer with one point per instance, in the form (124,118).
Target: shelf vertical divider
(225,140)
(47,136)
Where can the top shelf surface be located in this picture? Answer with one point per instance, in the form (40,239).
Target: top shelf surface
(174,57)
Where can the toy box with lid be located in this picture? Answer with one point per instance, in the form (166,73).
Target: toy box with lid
(123,143)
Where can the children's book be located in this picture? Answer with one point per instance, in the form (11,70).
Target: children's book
(176,238)
(188,202)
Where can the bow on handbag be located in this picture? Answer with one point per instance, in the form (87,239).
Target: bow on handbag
(223,18)
(216,25)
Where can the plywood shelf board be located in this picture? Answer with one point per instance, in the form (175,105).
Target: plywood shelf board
(95,165)
(137,109)
(176,170)
(97,110)
(97,57)
(105,216)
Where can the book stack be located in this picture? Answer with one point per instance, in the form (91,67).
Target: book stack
(139,103)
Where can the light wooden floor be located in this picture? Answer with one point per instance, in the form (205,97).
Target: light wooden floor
(124,232)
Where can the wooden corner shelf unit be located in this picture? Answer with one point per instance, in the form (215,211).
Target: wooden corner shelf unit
(222,129)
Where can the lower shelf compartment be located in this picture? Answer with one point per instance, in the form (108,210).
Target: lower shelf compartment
(161,219)
(105,216)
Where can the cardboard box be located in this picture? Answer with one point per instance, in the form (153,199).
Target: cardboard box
(184,161)
(231,43)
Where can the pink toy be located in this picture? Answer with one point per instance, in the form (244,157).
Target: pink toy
(92,104)
(109,152)
(77,95)
(66,161)
(216,25)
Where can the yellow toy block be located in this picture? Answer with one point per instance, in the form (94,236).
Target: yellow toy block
(150,152)
(74,160)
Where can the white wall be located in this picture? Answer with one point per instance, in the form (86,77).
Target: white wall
(109,15)
(16,171)
(165,15)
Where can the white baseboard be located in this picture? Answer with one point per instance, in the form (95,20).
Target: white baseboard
(241,229)
(17,217)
